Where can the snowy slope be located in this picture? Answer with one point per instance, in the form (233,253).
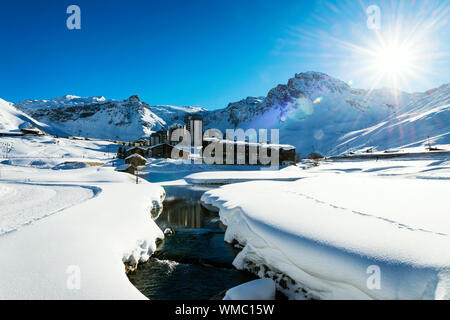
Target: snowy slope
(428,116)
(49,152)
(12,120)
(97,117)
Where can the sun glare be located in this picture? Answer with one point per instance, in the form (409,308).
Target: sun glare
(393,60)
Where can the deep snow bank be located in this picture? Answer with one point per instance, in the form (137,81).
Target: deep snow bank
(330,237)
(261,289)
(80,252)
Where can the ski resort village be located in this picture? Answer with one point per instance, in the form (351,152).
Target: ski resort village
(316,191)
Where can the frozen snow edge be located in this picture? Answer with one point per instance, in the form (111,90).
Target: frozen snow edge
(290,173)
(80,252)
(268,252)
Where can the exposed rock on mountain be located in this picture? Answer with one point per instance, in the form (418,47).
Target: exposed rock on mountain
(98,117)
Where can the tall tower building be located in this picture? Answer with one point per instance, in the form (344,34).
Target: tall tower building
(194,124)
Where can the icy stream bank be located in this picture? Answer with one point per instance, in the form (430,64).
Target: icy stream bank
(193,263)
(321,238)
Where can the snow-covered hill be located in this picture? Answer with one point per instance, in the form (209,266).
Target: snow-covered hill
(314,112)
(12,120)
(97,117)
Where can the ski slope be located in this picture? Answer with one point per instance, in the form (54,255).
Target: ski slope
(426,121)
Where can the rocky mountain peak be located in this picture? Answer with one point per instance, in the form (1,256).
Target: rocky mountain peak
(313,82)
(135,98)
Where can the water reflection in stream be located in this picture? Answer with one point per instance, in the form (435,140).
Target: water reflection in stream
(195,262)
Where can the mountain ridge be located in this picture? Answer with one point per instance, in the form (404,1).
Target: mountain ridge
(313,112)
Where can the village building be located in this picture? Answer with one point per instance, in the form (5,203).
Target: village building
(127,168)
(315,156)
(194,125)
(141,142)
(175,133)
(136,150)
(288,155)
(32,131)
(249,153)
(163,142)
(136,160)
(158,137)
(164,150)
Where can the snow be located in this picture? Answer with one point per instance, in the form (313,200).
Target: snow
(27,202)
(49,152)
(4,190)
(323,235)
(414,166)
(67,100)
(261,289)
(225,177)
(425,121)
(123,167)
(166,171)
(12,120)
(66,234)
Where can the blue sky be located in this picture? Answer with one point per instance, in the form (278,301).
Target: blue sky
(206,53)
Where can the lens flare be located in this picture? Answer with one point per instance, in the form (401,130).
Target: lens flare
(318,100)
(305,106)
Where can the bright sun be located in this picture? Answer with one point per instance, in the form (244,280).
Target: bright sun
(393,60)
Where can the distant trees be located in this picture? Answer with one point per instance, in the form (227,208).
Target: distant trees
(315,156)
(121,153)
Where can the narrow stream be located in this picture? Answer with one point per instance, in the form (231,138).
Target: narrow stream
(195,262)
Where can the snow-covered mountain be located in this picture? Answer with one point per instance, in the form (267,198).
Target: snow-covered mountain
(98,117)
(13,120)
(313,111)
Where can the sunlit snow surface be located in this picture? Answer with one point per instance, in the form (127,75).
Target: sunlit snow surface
(327,230)
(24,203)
(261,289)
